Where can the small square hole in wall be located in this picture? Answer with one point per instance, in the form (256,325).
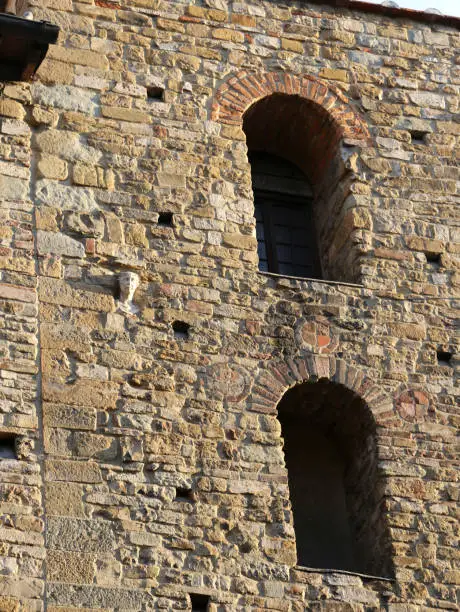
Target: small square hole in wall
(199,603)
(165,219)
(418,137)
(7,446)
(433,258)
(444,358)
(184,494)
(156,93)
(181,329)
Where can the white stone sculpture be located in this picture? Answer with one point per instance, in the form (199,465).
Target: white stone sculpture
(129,282)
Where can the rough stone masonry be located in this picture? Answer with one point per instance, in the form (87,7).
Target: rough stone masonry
(142,464)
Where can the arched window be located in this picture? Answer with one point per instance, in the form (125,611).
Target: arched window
(283,201)
(300,185)
(336,495)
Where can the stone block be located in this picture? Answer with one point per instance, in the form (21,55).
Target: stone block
(69,417)
(13,188)
(240,241)
(11,108)
(52,167)
(56,243)
(18,587)
(334,74)
(88,536)
(22,294)
(413,331)
(64,499)
(56,291)
(65,97)
(92,445)
(95,597)
(70,567)
(73,471)
(67,146)
(103,394)
(53,71)
(85,175)
(69,55)
(288,44)
(125,114)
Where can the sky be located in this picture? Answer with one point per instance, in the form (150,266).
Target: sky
(447,7)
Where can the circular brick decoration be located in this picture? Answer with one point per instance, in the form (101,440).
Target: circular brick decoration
(230,382)
(316,336)
(413,405)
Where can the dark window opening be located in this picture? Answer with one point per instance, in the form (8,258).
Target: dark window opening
(336,496)
(199,603)
(418,137)
(156,93)
(444,358)
(165,218)
(184,494)
(433,258)
(181,329)
(7,446)
(284,218)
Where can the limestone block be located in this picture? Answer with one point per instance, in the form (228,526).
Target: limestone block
(65,336)
(22,294)
(52,71)
(240,241)
(135,233)
(88,224)
(66,145)
(8,604)
(103,394)
(64,499)
(80,535)
(125,114)
(170,180)
(69,417)
(79,56)
(13,188)
(65,97)
(74,568)
(65,196)
(11,108)
(334,74)
(85,175)
(108,571)
(57,441)
(56,291)
(52,167)
(58,244)
(95,598)
(44,116)
(73,471)
(92,445)
(15,586)
(413,331)
(426,98)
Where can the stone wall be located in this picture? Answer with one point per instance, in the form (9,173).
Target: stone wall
(149,456)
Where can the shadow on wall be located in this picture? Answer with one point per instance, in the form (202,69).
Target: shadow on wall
(330,448)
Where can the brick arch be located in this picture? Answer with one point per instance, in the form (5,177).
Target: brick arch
(241,91)
(273,382)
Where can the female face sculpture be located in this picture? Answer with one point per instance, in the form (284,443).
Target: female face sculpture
(129,282)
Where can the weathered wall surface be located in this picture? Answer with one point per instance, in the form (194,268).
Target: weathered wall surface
(115,411)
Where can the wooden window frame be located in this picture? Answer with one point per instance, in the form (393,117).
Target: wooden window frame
(264,200)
